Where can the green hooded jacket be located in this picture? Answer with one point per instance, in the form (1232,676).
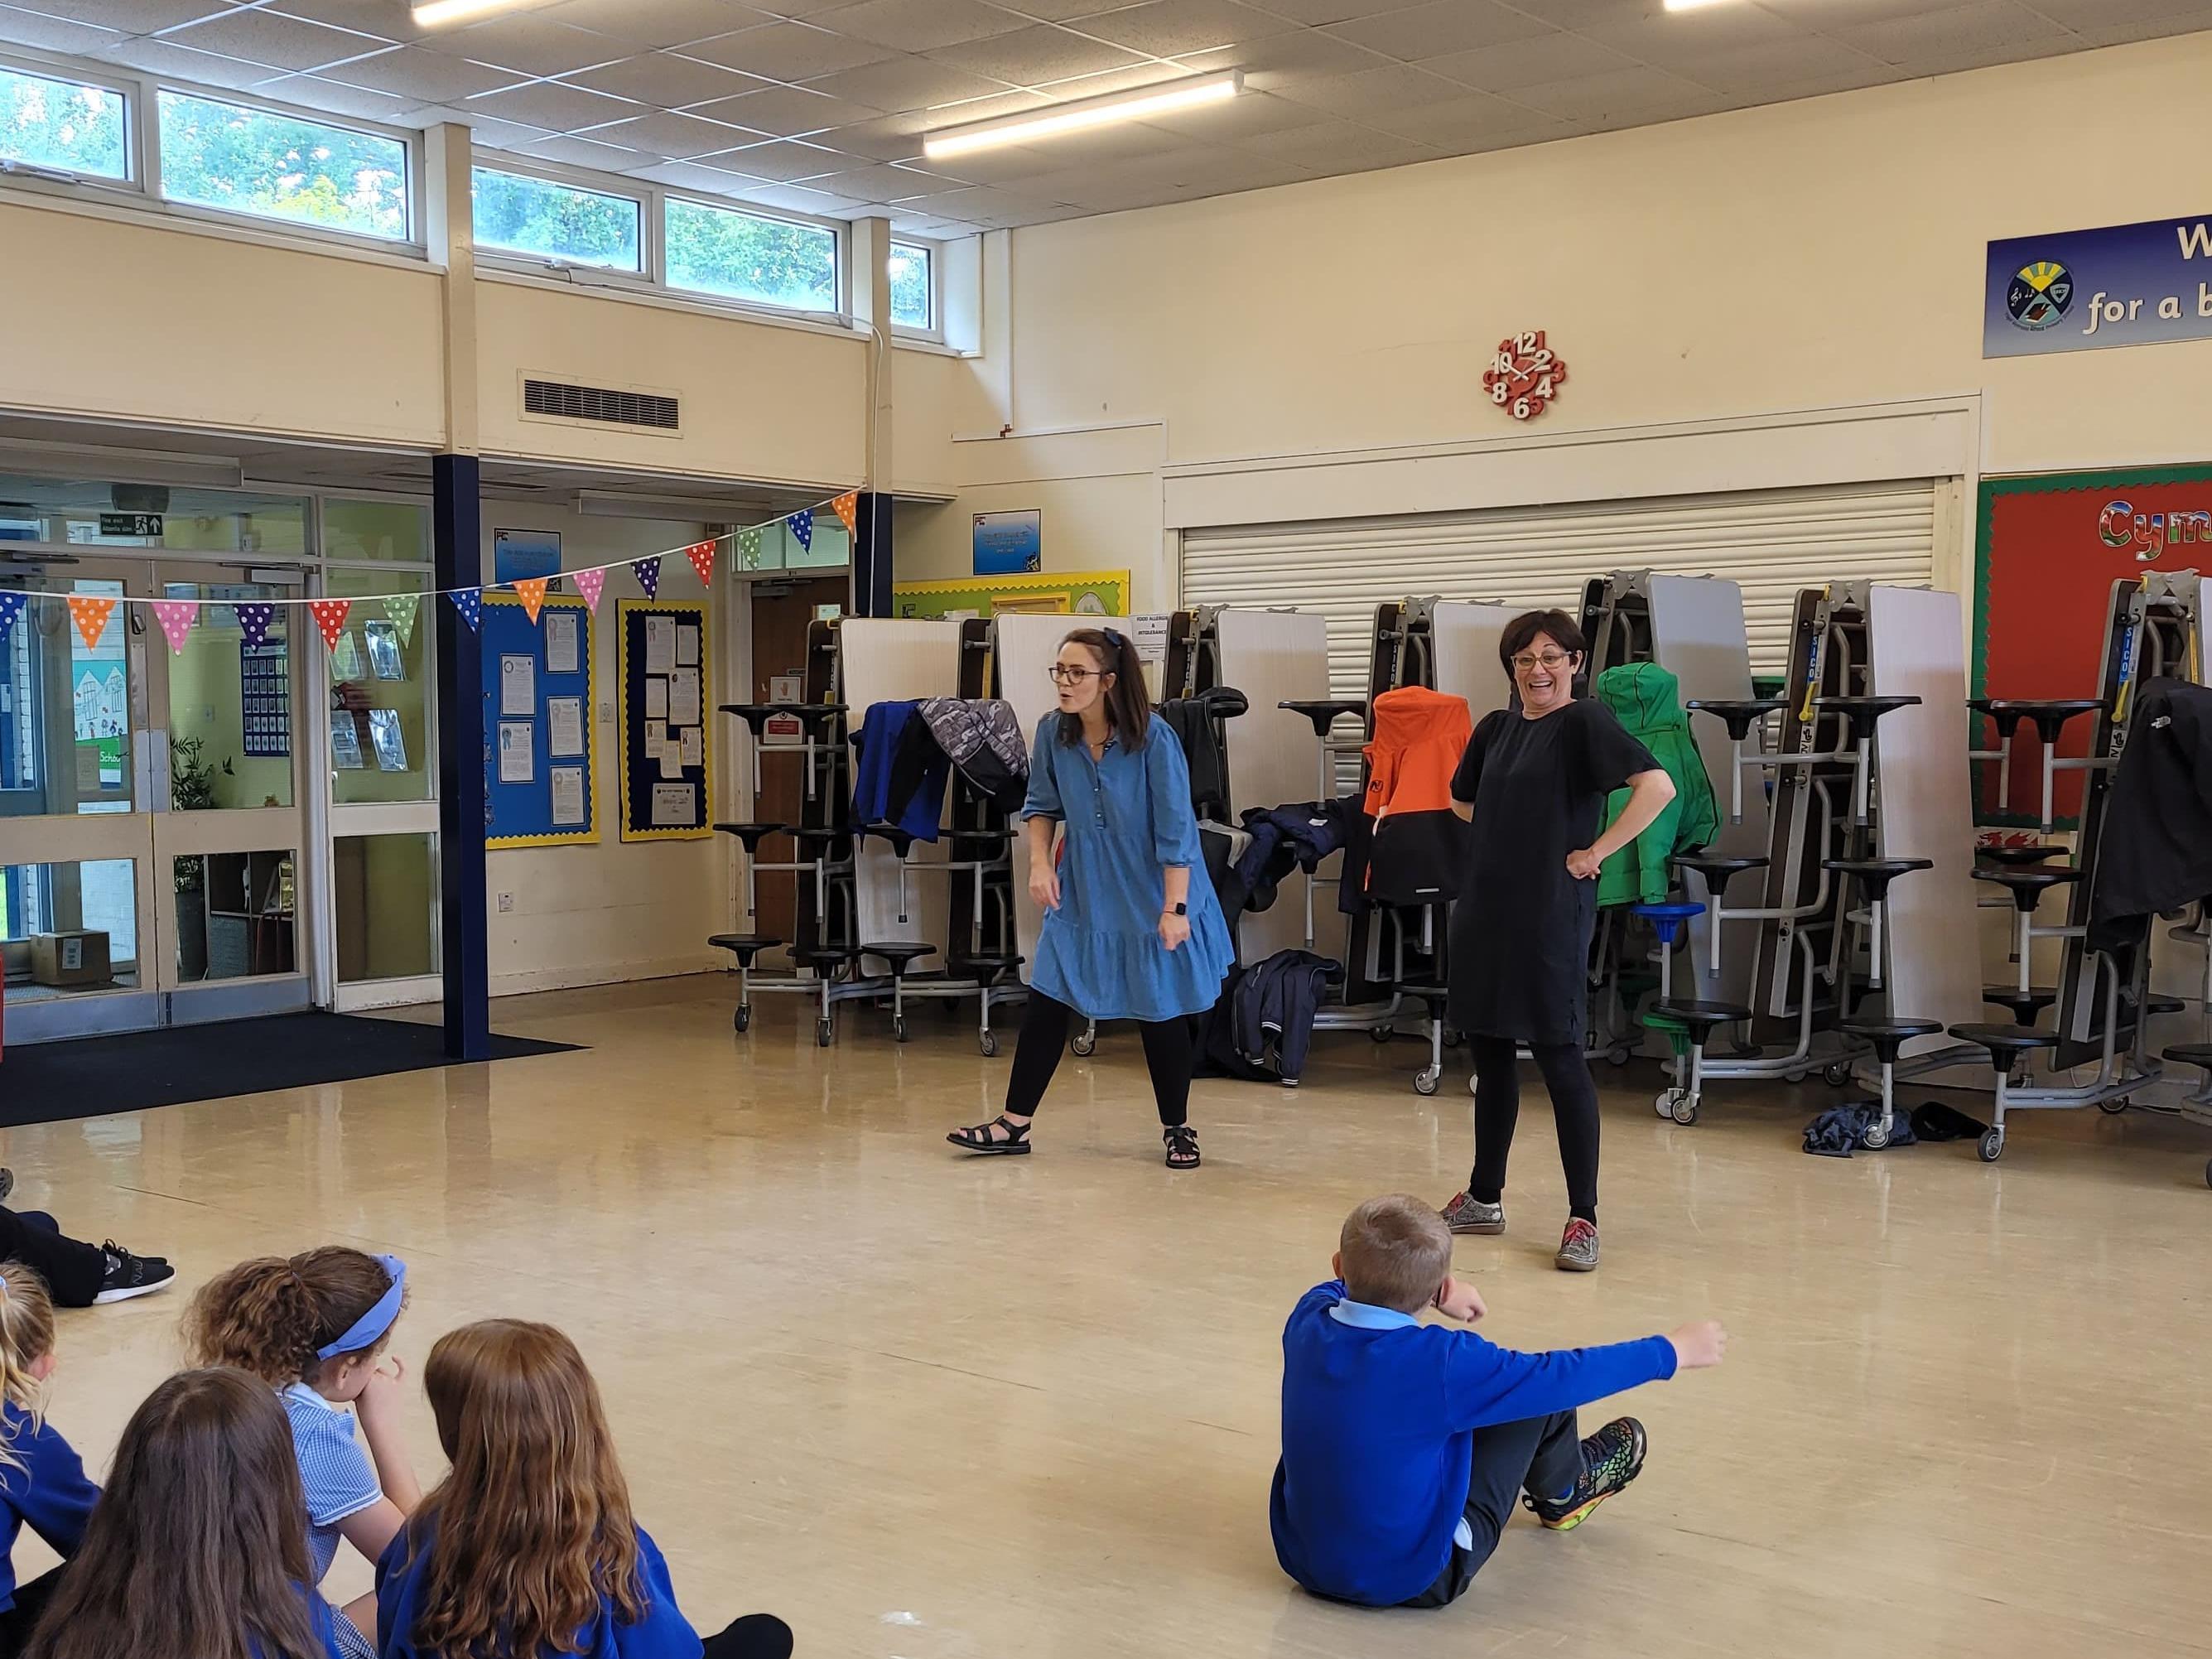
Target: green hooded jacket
(1647,701)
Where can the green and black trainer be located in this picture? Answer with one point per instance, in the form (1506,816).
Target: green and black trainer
(1612,1458)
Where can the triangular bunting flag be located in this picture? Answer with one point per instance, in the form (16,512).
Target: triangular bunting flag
(531,590)
(847,507)
(469,601)
(647,572)
(802,527)
(329,617)
(91,616)
(11,606)
(748,547)
(401,608)
(177,618)
(588,583)
(254,622)
(701,555)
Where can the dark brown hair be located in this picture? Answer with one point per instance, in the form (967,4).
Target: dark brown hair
(532,1529)
(1525,629)
(1396,1252)
(270,1314)
(198,1548)
(1128,709)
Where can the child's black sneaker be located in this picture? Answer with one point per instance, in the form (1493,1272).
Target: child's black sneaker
(129,1275)
(1612,1458)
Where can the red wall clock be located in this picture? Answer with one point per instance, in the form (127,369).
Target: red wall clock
(1525,375)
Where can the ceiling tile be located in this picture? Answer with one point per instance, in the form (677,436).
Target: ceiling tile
(658,23)
(1595,14)
(1557,56)
(394,22)
(1244,117)
(1401,85)
(884,184)
(1472,121)
(919,25)
(1170,27)
(423,77)
(787,51)
(1001,167)
(1834,14)
(2106,16)
(785,111)
(264,37)
(907,84)
(132,16)
(531,43)
(1755,71)
(796,198)
(1339,147)
(159,57)
(672,138)
(688,175)
(1315,13)
(886,138)
(36,28)
(1623,97)
(1066,11)
(583,152)
(1955,37)
(1683,40)
(1037,57)
(328,97)
(554,104)
(486,131)
(1281,61)
(783,162)
(665,80)
(1439,28)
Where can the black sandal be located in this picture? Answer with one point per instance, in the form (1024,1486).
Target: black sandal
(978,1139)
(1182,1146)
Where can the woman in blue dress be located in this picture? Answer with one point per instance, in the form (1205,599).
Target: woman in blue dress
(1127,934)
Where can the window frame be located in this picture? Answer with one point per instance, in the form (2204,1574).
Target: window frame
(841,310)
(119,82)
(410,150)
(597,184)
(935,252)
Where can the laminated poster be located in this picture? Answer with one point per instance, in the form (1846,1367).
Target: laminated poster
(517,684)
(684,698)
(564,727)
(569,797)
(516,762)
(687,646)
(660,644)
(656,699)
(672,806)
(562,656)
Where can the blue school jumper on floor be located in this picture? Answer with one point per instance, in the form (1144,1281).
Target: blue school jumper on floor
(1379,1412)
(1127,816)
(50,1493)
(662,1633)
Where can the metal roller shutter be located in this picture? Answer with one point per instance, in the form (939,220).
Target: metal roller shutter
(1771,542)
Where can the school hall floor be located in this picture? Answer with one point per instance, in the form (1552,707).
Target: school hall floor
(931,1408)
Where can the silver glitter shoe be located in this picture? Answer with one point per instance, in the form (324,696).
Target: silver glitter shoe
(1468,1214)
(1577,1248)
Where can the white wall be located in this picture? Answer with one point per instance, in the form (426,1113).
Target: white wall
(596,913)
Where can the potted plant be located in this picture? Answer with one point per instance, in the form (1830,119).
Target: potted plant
(191,789)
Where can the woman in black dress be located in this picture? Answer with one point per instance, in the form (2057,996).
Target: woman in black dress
(1534,783)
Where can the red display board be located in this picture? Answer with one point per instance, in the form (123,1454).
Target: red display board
(2048,551)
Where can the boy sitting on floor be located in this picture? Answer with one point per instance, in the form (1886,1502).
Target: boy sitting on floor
(1404,1445)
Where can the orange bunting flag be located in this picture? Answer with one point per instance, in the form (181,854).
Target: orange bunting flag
(91,616)
(532,591)
(330,618)
(701,555)
(847,507)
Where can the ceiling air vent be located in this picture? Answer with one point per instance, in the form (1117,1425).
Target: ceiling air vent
(604,405)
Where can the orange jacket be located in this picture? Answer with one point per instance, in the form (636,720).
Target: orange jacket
(1416,848)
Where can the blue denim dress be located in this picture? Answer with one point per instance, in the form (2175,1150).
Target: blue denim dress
(1129,817)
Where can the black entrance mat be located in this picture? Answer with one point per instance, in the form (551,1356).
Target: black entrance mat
(92,1077)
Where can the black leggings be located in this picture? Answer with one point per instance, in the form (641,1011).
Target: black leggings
(74,1271)
(1497,1104)
(1044,1039)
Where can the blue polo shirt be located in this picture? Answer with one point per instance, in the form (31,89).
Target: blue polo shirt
(1379,1414)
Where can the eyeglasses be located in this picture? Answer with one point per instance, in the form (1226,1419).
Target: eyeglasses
(1525,661)
(1063,675)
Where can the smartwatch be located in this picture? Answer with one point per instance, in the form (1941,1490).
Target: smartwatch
(1176,910)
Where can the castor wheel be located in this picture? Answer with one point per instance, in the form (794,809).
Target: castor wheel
(1085,1044)
(1795,1076)
(1991,1145)
(1839,1074)
(1425,1081)
(1475,1085)
(989,1042)
(1875,1138)
(824,1030)
(1681,1106)
(1453,1039)
(742,1018)
(1380,1033)
(1617,1056)
(2113,1107)
(898,1028)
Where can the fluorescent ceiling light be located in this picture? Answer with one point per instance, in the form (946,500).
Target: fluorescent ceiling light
(439,14)
(1081,116)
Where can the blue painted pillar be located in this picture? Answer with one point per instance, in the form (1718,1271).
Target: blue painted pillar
(871,555)
(457,531)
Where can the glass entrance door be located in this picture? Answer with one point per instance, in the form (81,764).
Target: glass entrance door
(150,822)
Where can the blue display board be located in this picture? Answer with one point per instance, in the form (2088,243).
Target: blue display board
(541,775)
(665,658)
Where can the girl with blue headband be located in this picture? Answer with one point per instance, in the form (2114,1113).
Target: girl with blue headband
(311,1326)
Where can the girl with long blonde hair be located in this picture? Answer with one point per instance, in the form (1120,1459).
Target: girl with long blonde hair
(42,1480)
(528,1549)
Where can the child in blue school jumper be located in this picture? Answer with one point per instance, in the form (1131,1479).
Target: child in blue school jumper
(312,1328)
(42,1480)
(1406,1445)
(528,1549)
(199,1544)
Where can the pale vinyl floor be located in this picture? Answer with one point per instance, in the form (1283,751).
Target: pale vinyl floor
(932,1408)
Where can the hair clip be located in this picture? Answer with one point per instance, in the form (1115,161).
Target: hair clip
(1114,638)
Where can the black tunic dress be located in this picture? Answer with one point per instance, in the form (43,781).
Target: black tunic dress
(1521,930)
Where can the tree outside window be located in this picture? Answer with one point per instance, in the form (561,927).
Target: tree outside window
(62,124)
(522,214)
(255,161)
(772,261)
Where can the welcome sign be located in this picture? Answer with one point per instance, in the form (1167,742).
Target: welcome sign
(2079,290)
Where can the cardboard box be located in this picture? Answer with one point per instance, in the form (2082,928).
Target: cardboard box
(70,959)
